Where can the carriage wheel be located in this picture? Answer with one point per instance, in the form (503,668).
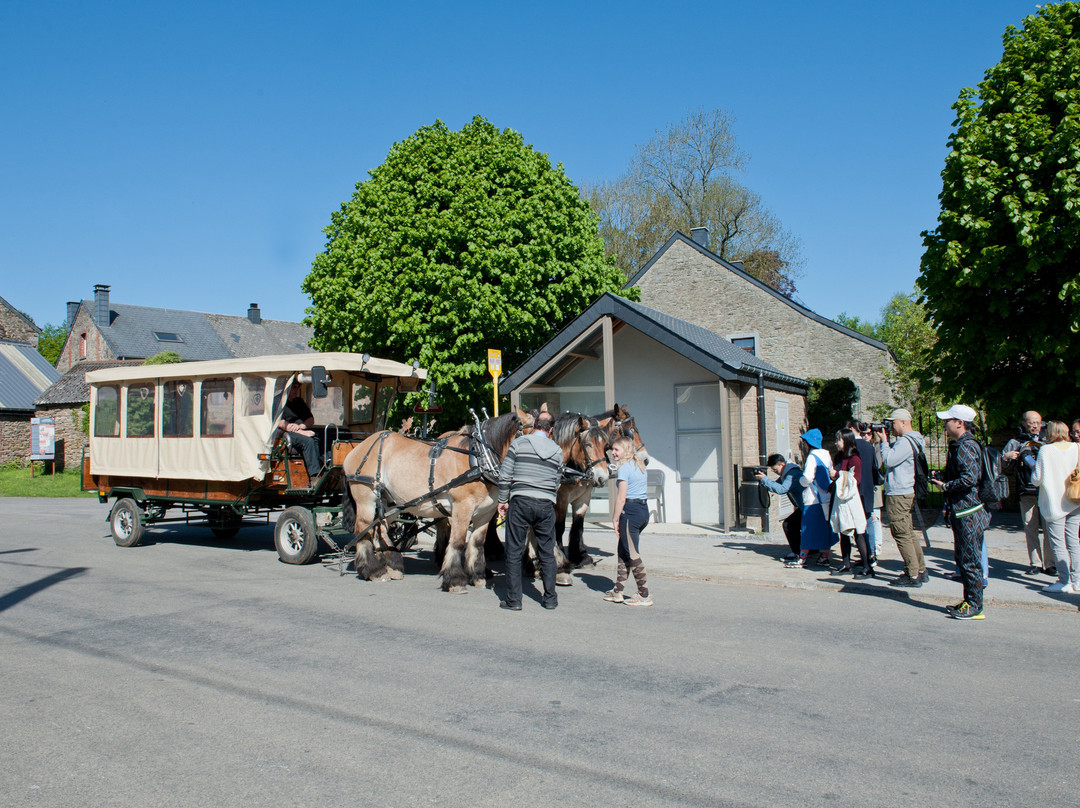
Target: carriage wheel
(125,521)
(294,536)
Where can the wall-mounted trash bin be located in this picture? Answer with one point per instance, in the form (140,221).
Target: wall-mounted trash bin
(753,497)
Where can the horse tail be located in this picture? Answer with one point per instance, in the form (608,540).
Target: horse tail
(348,506)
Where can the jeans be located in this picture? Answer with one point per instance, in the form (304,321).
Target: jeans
(1030,519)
(1066,543)
(873,530)
(539,514)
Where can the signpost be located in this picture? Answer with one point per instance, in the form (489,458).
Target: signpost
(495,369)
(42,441)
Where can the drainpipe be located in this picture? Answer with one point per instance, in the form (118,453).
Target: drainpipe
(762,449)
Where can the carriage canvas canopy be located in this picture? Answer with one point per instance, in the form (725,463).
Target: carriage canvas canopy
(214,420)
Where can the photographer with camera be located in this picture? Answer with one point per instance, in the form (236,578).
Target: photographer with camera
(1019,456)
(897,462)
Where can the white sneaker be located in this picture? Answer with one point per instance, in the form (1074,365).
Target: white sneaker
(1063,588)
(637,600)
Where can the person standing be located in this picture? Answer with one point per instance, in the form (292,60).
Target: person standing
(848,516)
(871,478)
(788,481)
(897,461)
(1018,457)
(630,516)
(960,483)
(816,533)
(1060,515)
(528,481)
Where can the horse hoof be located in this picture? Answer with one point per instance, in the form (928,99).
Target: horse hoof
(386,576)
(458,590)
(564,579)
(395,575)
(585,563)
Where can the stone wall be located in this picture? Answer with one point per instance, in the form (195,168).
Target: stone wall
(692,286)
(69,430)
(14,437)
(97,350)
(15,327)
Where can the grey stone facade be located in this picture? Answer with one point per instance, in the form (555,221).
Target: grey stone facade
(686,280)
(16,326)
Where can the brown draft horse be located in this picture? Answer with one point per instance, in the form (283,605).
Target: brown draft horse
(397,470)
(575,497)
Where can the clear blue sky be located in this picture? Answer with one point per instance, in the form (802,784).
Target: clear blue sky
(190,154)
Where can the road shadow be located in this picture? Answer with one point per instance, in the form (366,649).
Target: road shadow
(250,538)
(29,590)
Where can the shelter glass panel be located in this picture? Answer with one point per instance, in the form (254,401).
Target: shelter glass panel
(253,389)
(216,408)
(177,412)
(140,410)
(107,412)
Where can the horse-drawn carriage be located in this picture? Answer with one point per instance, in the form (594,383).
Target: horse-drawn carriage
(198,442)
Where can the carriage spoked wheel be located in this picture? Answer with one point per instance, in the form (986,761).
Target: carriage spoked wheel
(403,534)
(295,537)
(125,522)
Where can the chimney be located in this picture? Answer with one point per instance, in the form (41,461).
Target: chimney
(253,313)
(101,305)
(72,313)
(700,235)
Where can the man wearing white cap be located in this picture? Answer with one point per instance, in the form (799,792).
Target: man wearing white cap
(963,470)
(897,463)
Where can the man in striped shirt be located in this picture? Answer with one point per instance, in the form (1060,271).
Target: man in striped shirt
(528,480)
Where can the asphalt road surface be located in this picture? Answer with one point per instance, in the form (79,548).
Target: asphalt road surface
(196,672)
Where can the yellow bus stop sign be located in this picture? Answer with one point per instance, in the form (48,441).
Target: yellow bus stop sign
(495,369)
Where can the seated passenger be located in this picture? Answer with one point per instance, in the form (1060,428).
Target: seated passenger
(297,422)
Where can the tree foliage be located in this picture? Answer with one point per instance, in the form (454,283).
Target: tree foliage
(163,358)
(51,342)
(682,179)
(829,405)
(459,242)
(1001,272)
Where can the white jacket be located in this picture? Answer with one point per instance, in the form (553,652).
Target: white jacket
(847,515)
(815,472)
(1055,463)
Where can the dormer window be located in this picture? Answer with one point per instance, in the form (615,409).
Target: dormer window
(167,336)
(748,342)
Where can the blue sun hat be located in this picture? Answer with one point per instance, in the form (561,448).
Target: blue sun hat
(813,437)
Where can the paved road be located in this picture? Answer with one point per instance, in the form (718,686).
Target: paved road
(190,672)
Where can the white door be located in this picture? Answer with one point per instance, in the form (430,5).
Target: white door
(697,452)
(783,445)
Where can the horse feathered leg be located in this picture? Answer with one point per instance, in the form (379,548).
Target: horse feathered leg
(454,577)
(579,553)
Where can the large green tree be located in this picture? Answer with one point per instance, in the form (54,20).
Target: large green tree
(684,177)
(51,342)
(459,242)
(1001,271)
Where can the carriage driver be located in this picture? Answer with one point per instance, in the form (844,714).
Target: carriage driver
(297,421)
(528,480)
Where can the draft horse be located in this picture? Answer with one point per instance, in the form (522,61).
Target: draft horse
(390,473)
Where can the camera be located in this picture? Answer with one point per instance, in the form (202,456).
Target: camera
(878,427)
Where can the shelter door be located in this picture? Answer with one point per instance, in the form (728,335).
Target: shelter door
(783,444)
(698,455)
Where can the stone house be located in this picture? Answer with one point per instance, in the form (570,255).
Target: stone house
(705,408)
(16,326)
(687,280)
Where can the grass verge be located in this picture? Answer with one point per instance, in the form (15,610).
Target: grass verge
(17,482)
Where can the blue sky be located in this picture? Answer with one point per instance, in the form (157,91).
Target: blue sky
(189,155)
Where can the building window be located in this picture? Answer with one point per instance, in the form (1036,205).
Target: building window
(82,345)
(167,336)
(748,342)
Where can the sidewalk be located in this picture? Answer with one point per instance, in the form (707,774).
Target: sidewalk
(703,553)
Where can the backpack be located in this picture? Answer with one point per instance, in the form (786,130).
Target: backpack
(922,473)
(993,485)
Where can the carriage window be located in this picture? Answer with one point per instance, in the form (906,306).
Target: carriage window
(107,413)
(216,408)
(363,400)
(386,398)
(329,410)
(177,414)
(254,389)
(140,410)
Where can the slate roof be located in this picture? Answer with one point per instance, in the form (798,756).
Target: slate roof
(699,345)
(130,333)
(679,236)
(24,373)
(71,389)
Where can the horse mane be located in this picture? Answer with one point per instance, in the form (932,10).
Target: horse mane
(499,432)
(566,428)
